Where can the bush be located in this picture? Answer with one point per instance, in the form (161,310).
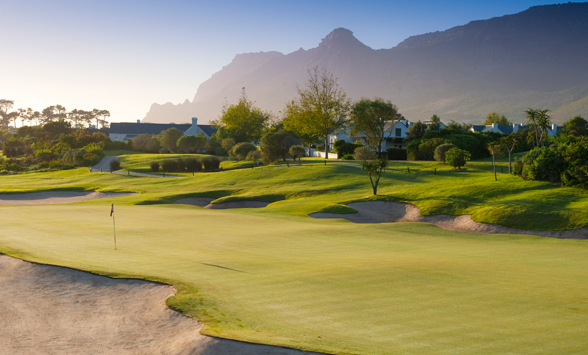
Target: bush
(296,151)
(396,153)
(118,145)
(240,150)
(343,148)
(364,153)
(457,157)
(441,150)
(45,155)
(114,165)
(145,143)
(348,157)
(193,165)
(170,166)
(211,163)
(154,166)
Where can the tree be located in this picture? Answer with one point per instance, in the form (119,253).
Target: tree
(169,138)
(187,143)
(227,144)
(493,117)
(201,142)
(319,110)
(441,150)
(145,143)
(240,150)
(540,120)
(5,116)
(576,126)
(494,149)
(435,124)
(77,117)
(364,153)
(276,144)
(296,151)
(253,156)
(509,143)
(100,116)
(372,164)
(242,121)
(53,113)
(416,131)
(373,121)
(457,157)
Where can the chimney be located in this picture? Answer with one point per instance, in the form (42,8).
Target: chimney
(515,127)
(138,121)
(195,121)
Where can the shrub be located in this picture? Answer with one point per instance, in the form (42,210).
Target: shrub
(155,166)
(240,150)
(211,163)
(45,155)
(193,165)
(118,145)
(114,165)
(169,165)
(181,165)
(343,148)
(457,157)
(347,157)
(297,151)
(254,156)
(441,150)
(396,153)
(145,143)
(364,153)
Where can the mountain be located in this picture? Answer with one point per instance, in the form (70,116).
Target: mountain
(537,58)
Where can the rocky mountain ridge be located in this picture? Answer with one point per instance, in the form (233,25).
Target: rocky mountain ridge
(536,58)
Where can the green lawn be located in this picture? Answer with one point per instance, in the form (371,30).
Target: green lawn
(275,276)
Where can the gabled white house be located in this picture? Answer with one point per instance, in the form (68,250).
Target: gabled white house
(394,136)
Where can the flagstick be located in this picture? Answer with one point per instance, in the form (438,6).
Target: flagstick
(114,230)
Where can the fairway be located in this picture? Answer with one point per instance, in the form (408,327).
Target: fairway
(275,276)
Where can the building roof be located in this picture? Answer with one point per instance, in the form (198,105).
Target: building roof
(149,128)
(208,129)
(131,128)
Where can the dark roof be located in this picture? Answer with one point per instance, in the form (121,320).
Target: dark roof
(134,129)
(149,128)
(208,129)
(505,129)
(478,128)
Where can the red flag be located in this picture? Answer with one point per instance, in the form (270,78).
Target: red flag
(111,209)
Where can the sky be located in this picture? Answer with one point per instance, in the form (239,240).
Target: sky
(124,55)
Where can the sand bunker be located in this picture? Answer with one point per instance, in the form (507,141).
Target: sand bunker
(237,204)
(207,203)
(55,197)
(53,310)
(195,201)
(387,212)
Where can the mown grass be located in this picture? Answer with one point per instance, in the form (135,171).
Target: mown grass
(275,276)
(331,286)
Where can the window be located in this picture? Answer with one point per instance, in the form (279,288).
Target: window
(398,132)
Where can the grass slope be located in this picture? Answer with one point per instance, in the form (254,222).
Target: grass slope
(275,276)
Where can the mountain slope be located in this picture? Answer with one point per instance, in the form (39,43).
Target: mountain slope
(536,58)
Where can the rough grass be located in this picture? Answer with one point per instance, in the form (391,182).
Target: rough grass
(275,276)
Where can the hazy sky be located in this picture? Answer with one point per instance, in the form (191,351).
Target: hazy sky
(124,55)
